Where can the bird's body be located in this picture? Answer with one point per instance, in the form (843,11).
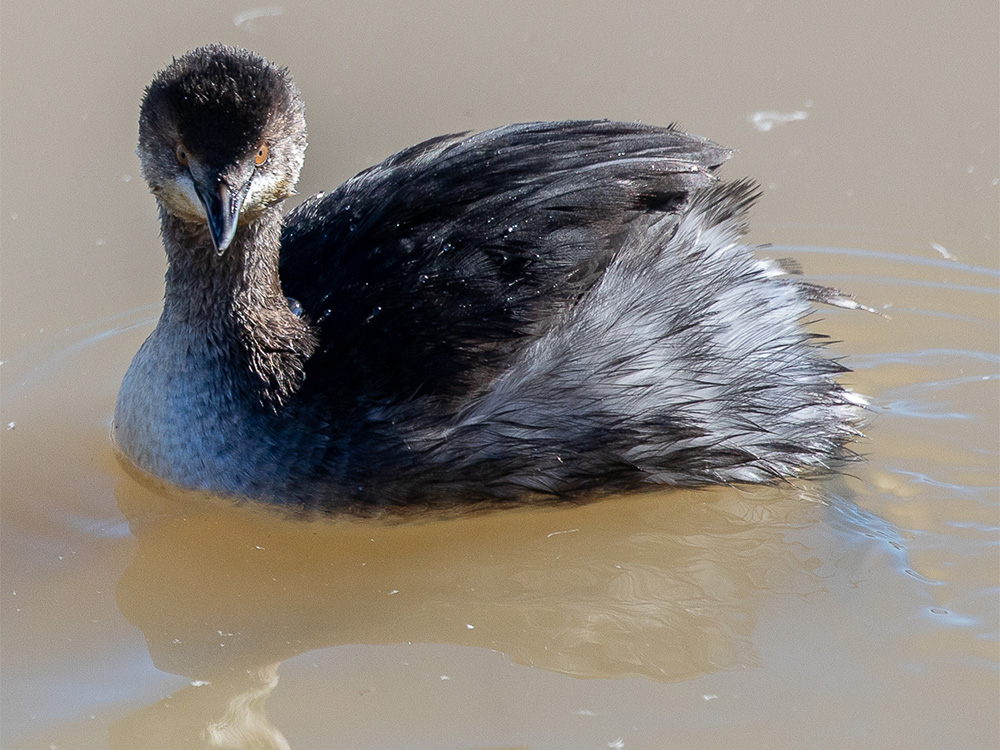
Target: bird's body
(547,308)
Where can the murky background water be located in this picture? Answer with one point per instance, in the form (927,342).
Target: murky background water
(856,612)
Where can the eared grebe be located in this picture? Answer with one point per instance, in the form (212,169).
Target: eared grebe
(540,309)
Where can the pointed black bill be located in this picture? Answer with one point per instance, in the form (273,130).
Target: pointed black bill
(222,207)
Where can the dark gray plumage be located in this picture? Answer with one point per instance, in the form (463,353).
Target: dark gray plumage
(554,308)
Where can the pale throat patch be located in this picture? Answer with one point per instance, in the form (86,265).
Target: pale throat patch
(181,199)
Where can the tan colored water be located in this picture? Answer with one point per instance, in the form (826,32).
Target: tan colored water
(854,613)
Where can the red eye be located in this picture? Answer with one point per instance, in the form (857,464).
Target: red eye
(182,155)
(262,153)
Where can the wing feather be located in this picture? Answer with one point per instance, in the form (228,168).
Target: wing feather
(425,273)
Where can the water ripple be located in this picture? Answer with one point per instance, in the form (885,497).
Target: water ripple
(912,260)
(40,359)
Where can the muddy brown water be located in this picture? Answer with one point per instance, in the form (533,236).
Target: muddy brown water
(850,613)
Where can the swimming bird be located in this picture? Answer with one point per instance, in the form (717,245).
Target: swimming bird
(548,309)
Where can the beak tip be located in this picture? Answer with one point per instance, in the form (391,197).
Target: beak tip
(221,240)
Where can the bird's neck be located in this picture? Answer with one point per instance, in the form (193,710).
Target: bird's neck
(204,287)
(229,307)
